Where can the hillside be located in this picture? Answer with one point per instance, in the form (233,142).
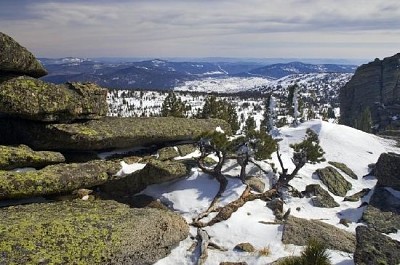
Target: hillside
(192,195)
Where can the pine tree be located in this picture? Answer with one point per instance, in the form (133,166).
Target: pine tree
(173,106)
(250,125)
(364,121)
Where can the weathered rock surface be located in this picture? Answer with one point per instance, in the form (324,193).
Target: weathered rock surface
(12,157)
(387,170)
(334,181)
(383,211)
(319,196)
(33,99)
(17,60)
(56,179)
(343,167)
(82,232)
(105,133)
(154,172)
(375,86)
(374,248)
(357,196)
(255,183)
(245,247)
(299,231)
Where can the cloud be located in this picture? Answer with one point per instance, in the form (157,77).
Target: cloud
(204,27)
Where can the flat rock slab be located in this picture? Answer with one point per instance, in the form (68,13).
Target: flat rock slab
(12,157)
(15,59)
(334,181)
(105,133)
(319,196)
(374,248)
(299,231)
(33,99)
(87,232)
(58,178)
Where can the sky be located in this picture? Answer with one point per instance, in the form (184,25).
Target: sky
(362,29)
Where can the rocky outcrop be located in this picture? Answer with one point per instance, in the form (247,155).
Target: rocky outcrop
(374,248)
(299,231)
(106,133)
(17,60)
(33,99)
(334,181)
(319,196)
(12,157)
(343,167)
(56,179)
(374,86)
(357,196)
(383,211)
(83,232)
(387,170)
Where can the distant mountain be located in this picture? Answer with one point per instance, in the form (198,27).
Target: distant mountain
(160,74)
(284,69)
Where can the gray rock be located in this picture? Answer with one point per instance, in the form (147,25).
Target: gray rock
(319,196)
(87,232)
(375,86)
(12,157)
(153,173)
(255,183)
(374,248)
(15,59)
(58,178)
(33,99)
(299,231)
(245,247)
(387,170)
(357,196)
(168,153)
(334,181)
(343,167)
(383,211)
(105,133)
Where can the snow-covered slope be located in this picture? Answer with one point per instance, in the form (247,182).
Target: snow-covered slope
(192,195)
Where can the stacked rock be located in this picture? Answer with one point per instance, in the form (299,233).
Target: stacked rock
(40,123)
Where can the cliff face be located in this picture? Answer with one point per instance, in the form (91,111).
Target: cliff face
(376,86)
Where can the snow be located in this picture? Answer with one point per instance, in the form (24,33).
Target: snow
(127,169)
(219,129)
(192,195)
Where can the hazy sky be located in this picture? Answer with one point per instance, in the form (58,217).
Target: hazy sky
(202,28)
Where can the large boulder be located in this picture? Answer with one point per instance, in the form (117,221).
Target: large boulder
(105,133)
(387,170)
(383,211)
(374,86)
(84,232)
(12,157)
(58,178)
(299,231)
(17,60)
(334,181)
(319,196)
(374,248)
(343,167)
(33,99)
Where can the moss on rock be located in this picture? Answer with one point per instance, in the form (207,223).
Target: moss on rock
(56,179)
(22,156)
(82,232)
(34,99)
(334,181)
(343,167)
(16,59)
(106,133)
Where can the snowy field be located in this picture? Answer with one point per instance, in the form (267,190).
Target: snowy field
(193,194)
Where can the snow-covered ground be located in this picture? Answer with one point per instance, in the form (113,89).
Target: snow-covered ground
(192,195)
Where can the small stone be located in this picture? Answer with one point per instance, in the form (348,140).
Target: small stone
(298,209)
(344,222)
(245,247)
(255,184)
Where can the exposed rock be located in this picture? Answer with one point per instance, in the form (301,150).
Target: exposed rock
(383,211)
(255,183)
(33,99)
(375,86)
(245,247)
(143,200)
(334,181)
(22,156)
(106,133)
(343,167)
(387,170)
(345,222)
(154,172)
(276,205)
(56,179)
(168,153)
(319,196)
(83,232)
(186,149)
(299,231)
(233,263)
(17,60)
(357,196)
(374,248)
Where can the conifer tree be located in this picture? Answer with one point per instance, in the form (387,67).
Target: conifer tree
(173,106)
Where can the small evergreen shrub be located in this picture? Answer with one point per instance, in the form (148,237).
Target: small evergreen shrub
(315,253)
